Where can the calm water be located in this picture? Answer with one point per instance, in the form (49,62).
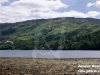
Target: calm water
(49,54)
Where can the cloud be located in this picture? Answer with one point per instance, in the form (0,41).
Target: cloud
(95,4)
(90,4)
(21,10)
(54,14)
(93,14)
(77,14)
(26,9)
(2,1)
(50,4)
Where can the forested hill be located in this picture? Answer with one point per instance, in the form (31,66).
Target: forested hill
(51,34)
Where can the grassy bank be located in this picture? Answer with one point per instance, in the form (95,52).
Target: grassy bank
(30,66)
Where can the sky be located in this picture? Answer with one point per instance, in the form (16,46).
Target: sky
(22,10)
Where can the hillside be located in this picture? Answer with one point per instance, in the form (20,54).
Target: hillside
(51,34)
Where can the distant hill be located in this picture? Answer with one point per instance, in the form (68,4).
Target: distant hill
(66,33)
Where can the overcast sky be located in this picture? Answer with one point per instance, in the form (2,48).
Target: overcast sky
(21,10)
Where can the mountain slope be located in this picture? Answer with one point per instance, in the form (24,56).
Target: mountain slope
(58,33)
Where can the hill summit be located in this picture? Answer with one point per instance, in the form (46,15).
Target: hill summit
(66,33)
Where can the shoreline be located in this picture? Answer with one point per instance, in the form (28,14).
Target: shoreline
(30,66)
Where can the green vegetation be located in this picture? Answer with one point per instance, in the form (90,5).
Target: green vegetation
(45,34)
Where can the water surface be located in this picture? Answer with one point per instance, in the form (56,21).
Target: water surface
(50,54)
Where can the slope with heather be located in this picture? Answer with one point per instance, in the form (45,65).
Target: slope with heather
(51,34)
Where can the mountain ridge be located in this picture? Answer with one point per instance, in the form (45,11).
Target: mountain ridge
(64,33)
(88,18)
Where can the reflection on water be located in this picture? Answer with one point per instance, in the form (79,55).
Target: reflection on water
(50,54)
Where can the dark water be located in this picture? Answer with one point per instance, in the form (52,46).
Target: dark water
(49,54)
